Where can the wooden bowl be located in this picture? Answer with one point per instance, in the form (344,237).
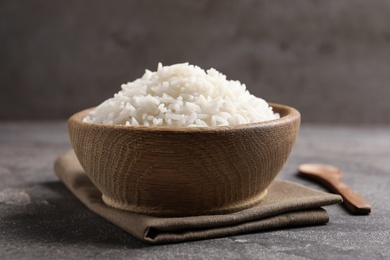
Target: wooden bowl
(182,171)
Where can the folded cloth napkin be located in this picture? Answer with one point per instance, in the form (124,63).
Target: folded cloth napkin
(286,205)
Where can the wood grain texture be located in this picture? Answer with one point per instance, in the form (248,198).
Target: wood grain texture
(181,171)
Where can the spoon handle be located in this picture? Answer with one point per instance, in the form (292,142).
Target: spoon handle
(354,203)
(351,200)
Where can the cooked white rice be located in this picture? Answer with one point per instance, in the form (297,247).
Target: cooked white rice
(182,95)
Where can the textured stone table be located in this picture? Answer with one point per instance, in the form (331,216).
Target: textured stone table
(40,218)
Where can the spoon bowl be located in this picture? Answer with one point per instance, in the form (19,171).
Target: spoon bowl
(320,169)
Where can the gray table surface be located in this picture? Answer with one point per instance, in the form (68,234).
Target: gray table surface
(40,218)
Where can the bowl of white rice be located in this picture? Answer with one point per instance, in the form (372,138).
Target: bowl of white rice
(183,141)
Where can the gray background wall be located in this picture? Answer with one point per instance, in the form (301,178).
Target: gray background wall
(330,59)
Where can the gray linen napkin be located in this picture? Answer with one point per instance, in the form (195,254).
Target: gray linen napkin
(286,205)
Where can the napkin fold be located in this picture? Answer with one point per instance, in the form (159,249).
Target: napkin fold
(286,205)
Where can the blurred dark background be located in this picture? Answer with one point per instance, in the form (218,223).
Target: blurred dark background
(329,59)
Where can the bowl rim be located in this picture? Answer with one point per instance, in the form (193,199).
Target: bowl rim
(287,114)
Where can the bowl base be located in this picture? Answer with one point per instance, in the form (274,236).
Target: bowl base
(169,212)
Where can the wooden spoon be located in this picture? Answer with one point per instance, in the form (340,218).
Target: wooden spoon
(330,177)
